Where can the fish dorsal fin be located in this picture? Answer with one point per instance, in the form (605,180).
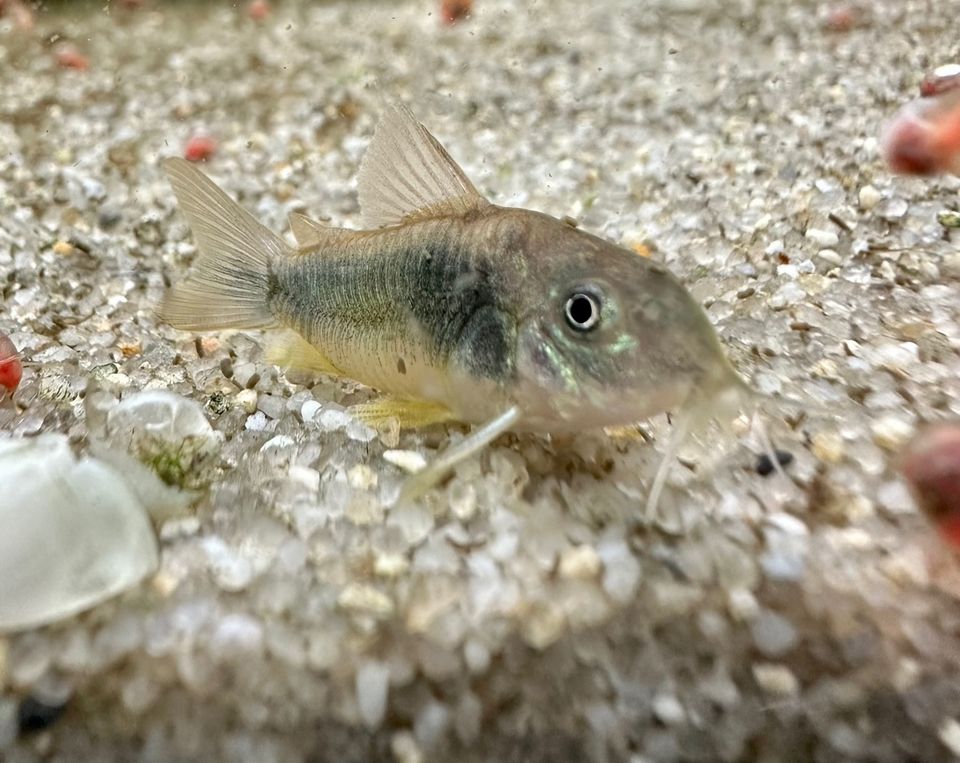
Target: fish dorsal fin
(406,174)
(308,232)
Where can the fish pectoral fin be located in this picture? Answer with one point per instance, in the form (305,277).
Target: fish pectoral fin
(406,174)
(290,350)
(411,413)
(476,441)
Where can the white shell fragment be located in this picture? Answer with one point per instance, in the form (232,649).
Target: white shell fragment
(73,533)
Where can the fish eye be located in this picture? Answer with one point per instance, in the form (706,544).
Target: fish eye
(582,311)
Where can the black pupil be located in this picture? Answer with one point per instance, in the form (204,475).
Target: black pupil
(581,309)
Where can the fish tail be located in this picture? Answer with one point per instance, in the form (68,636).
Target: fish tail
(231,280)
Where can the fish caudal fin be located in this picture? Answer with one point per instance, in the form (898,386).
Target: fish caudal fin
(229,284)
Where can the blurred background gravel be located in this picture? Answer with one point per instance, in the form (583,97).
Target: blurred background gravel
(525,611)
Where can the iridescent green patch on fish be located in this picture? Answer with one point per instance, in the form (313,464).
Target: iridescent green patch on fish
(624,343)
(453,307)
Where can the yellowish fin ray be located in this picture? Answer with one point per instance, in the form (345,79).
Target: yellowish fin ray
(290,350)
(411,413)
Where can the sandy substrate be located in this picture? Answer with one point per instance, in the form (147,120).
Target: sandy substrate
(525,611)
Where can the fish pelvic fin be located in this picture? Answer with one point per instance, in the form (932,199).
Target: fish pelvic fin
(230,282)
(290,350)
(411,413)
(407,175)
(418,484)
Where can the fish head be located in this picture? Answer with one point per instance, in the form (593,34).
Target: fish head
(613,338)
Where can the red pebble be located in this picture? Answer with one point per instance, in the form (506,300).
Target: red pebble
(19,12)
(931,465)
(940,80)
(842,18)
(258,10)
(11,369)
(923,138)
(199,148)
(950,530)
(69,57)
(452,11)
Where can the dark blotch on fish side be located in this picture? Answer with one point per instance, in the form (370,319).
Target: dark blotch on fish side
(34,715)
(458,303)
(765,465)
(485,344)
(401,366)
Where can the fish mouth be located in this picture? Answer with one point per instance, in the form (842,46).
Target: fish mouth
(560,393)
(563,386)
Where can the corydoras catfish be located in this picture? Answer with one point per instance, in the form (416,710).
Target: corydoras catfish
(456,309)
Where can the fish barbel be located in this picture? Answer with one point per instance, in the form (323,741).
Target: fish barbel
(454,308)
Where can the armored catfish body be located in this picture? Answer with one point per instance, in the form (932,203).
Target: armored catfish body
(455,308)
